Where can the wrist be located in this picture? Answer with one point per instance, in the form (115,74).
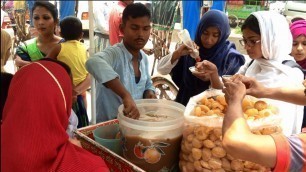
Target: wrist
(214,74)
(235,102)
(175,56)
(126,96)
(266,93)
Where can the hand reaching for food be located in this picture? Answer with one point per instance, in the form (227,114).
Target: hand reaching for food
(130,109)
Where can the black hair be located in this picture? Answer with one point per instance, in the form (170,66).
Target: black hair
(71,28)
(49,6)
(251,23)
(297,19)
(135,10)
(6,79)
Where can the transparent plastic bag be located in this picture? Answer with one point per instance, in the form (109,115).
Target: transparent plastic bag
(201,146)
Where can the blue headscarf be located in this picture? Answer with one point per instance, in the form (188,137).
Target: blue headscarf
(214,18)
(223,55)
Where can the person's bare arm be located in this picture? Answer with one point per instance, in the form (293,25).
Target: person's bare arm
(215,81)
(293,95)
(238,140)
(83,86)
(54,52)
(130,109)
(19,62)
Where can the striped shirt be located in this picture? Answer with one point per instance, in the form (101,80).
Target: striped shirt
(113,62)
(291,153)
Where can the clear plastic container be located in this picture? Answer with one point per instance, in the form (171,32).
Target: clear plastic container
(153,141)
(106,136)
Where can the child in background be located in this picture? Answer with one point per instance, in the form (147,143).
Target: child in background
(298,31)
(74,54)
(268,42)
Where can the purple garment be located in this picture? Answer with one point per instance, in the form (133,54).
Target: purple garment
(297,153)
(9,4)
(302,63)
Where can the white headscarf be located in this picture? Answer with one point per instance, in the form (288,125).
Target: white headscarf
(276,45)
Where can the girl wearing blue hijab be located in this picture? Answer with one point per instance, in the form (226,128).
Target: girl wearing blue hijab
(211,37)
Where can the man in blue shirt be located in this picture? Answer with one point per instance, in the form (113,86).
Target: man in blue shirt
(122,70)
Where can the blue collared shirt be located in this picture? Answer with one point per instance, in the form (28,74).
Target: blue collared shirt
(113,62)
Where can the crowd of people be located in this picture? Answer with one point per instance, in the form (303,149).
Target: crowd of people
(45,101)
(265,38)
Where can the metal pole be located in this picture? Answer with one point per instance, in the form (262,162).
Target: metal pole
(91,53)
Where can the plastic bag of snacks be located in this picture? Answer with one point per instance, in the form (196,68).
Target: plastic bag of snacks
(201,146)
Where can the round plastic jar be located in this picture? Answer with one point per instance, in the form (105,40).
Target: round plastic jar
(153,141)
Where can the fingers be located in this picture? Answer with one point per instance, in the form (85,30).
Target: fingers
(225,80)
(231,86)
(195,46)
(199,65)
(237,77)
(134,114)
(149,94)
(184,47)
(131,112)
(243,79)
(152,96)
(201,75)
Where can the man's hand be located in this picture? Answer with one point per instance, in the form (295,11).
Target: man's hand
(130,109)
(234,91)
(253,87)
(149,94)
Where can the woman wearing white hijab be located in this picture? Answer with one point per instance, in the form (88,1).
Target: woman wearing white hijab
(268,41)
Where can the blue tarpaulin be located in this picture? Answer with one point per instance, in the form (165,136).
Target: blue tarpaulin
(67,8)
(218,5)
(191,16)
